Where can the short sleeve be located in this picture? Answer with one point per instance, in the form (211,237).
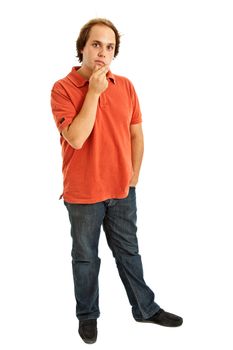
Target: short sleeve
(62,108)
(136,111)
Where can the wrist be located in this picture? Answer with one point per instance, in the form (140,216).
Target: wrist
(93,93)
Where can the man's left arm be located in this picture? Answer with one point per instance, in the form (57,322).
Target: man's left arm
(137,149)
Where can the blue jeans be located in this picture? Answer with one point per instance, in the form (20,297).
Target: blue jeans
(118,217)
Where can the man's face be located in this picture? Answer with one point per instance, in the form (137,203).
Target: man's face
(100,47)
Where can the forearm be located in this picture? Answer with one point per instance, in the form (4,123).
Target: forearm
(137,150)
(82,125)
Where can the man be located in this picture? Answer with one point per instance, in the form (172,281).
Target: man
(98,116)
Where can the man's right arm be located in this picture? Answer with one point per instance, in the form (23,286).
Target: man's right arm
(81,127)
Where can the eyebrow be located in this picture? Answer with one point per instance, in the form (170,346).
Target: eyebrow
(99,42)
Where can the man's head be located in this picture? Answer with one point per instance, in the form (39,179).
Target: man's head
(98,40)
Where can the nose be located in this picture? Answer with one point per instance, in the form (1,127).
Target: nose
(102,52)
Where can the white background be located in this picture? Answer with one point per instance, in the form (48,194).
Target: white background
(179,56)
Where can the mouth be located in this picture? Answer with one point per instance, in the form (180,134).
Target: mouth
(102,63)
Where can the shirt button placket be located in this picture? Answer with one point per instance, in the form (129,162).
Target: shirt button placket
(102,100)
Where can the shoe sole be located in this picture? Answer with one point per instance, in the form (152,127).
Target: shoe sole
(88,341)
(159,324)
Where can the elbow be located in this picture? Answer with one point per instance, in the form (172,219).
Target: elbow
(76,144)
(72,140)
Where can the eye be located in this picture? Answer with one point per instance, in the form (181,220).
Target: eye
(95,45)
(110,47)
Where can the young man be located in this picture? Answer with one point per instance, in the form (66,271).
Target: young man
(98,116)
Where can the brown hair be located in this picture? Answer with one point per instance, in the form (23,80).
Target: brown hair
(85,31)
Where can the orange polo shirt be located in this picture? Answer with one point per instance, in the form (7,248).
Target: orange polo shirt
(102,168)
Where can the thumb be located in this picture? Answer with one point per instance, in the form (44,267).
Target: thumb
(97,67)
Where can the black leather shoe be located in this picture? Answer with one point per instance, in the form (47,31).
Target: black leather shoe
(88,331)
(163,318)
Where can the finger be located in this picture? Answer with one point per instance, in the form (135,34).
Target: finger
(102,70)
(96,68)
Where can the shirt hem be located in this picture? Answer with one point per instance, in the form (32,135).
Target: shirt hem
(94,200)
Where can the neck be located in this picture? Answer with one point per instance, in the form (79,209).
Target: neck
(85,72)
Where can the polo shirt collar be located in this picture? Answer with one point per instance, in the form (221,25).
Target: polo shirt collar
(111,76)
(80,81)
